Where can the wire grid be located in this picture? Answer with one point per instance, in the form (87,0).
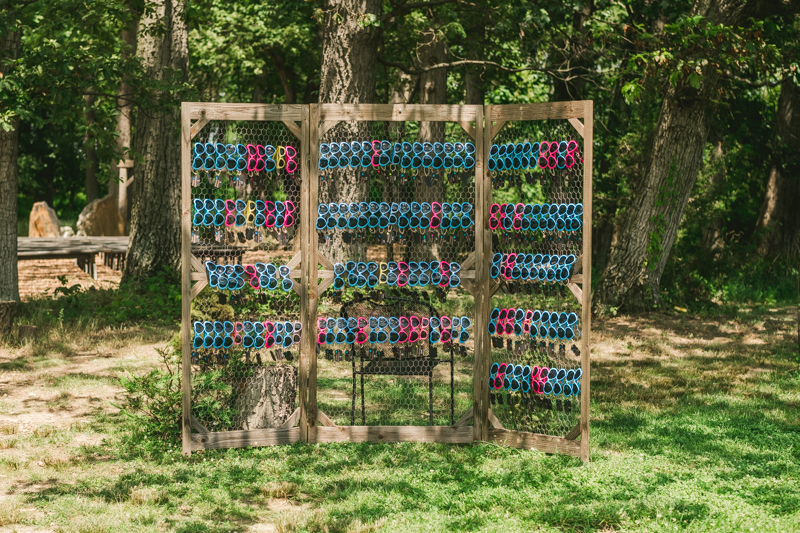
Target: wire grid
(237,387)
(548,414)
(402,380)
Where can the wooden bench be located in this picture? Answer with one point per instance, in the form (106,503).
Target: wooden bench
(82,249)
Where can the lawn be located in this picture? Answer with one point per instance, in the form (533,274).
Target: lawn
(695,427)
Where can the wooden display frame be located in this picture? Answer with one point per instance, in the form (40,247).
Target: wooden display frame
(309,123)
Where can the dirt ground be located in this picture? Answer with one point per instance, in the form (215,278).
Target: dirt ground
(37,278)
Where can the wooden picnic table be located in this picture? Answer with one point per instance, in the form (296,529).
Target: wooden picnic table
(82,249)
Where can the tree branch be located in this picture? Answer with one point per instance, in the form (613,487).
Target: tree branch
(398,10)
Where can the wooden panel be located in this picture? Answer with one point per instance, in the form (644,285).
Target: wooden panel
(197,264)
(307,341)
(542,111)
(529,441)
(199,276)
(324,419)
(324,261)
(326,274)
(577,278)
(216,111)
(197,287)
(574,433)
(578,125)
(200,428)
(244,439)
(496,127)
(496,424)
(197,126)
(294,128)
(292,420)
(186,280)
(325,128)
(468,262)
(310,254)
(468,286)
(576,291)
(586,323)
(483,253)
(324,285)
(466,417)
(39,247)
(469,274)
(295,261)
(446,434)
(398,112)
(468,128)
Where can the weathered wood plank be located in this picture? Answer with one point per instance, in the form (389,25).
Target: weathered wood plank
(244,439)
(295,129)
(496,424)
(445,434)
(468,286)
(295,261)
(468,262)
(197,276)
(578,125)
(324,419)
(219,111)
(528,441)
(496,127)
(574,433)
(38,247)
(469,274)
(324,261)
(466,417)
(586,325)
(187,290)
(483,253)
(468,128)
(309,188)
(325,274)
(197,264)
(200,428)
(197,126)
(292,420)
(576,291)
(324,285)
(541,111)
(398,112)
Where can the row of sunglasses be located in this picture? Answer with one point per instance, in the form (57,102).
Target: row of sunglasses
(544,324)
(545,217)
(530,267)
(527,155)
(412,274)
(262,276)
(208,212)
(379,330)
(366,154)
(224,335)
(414,215)
(540,380)
(241,157)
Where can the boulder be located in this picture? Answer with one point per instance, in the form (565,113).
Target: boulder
(101,218)
(44,221)
(66,231)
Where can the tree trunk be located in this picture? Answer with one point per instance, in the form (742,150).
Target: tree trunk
(631,281)
(631,278)
(155,240)
(9,145)
(564,90)
(779,221)
(267,398)
(348,76)
(124,120)
(90,162)
(712,238)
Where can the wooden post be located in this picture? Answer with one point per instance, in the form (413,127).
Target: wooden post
(308,267)
(483,253)
(311,139)
(186,277)
(588,137)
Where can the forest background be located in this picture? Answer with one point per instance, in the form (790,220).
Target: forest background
(697,114)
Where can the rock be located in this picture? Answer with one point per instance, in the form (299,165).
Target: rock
(66,231)
(43,222)
(101,218)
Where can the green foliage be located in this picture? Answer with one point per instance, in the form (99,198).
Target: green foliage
(154,299)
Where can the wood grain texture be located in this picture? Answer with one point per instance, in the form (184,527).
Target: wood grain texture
(197,264)
(468,128)
(533,441)
(398,112)
(468,262)
(542,111)
(292,420)
(324,261)
(578,125)
(444,434)
(586,322)
(199,276)
(496,127)
(468,286)
(295,261)
(261,112)
(294,128)
(324,419)
(186,280)
(200,428)
(322,287)
(483,253)
(244,439)
(307,348)
(39,247)
(197,126)
(576,291)
(496,424)
(310,153)
(197,287)
(574,433)
(466,417)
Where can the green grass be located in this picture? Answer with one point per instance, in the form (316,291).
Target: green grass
(695,428)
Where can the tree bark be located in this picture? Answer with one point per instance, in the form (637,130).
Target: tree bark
(712,237)
(124,121)
(631,280)
(572,89)
(267,398)
(90,154)
(9,146)
(155,240)
(779,221)
(348,76)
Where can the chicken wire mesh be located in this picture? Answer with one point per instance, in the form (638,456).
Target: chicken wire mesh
(245,325)
(396,218)
(536,171)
